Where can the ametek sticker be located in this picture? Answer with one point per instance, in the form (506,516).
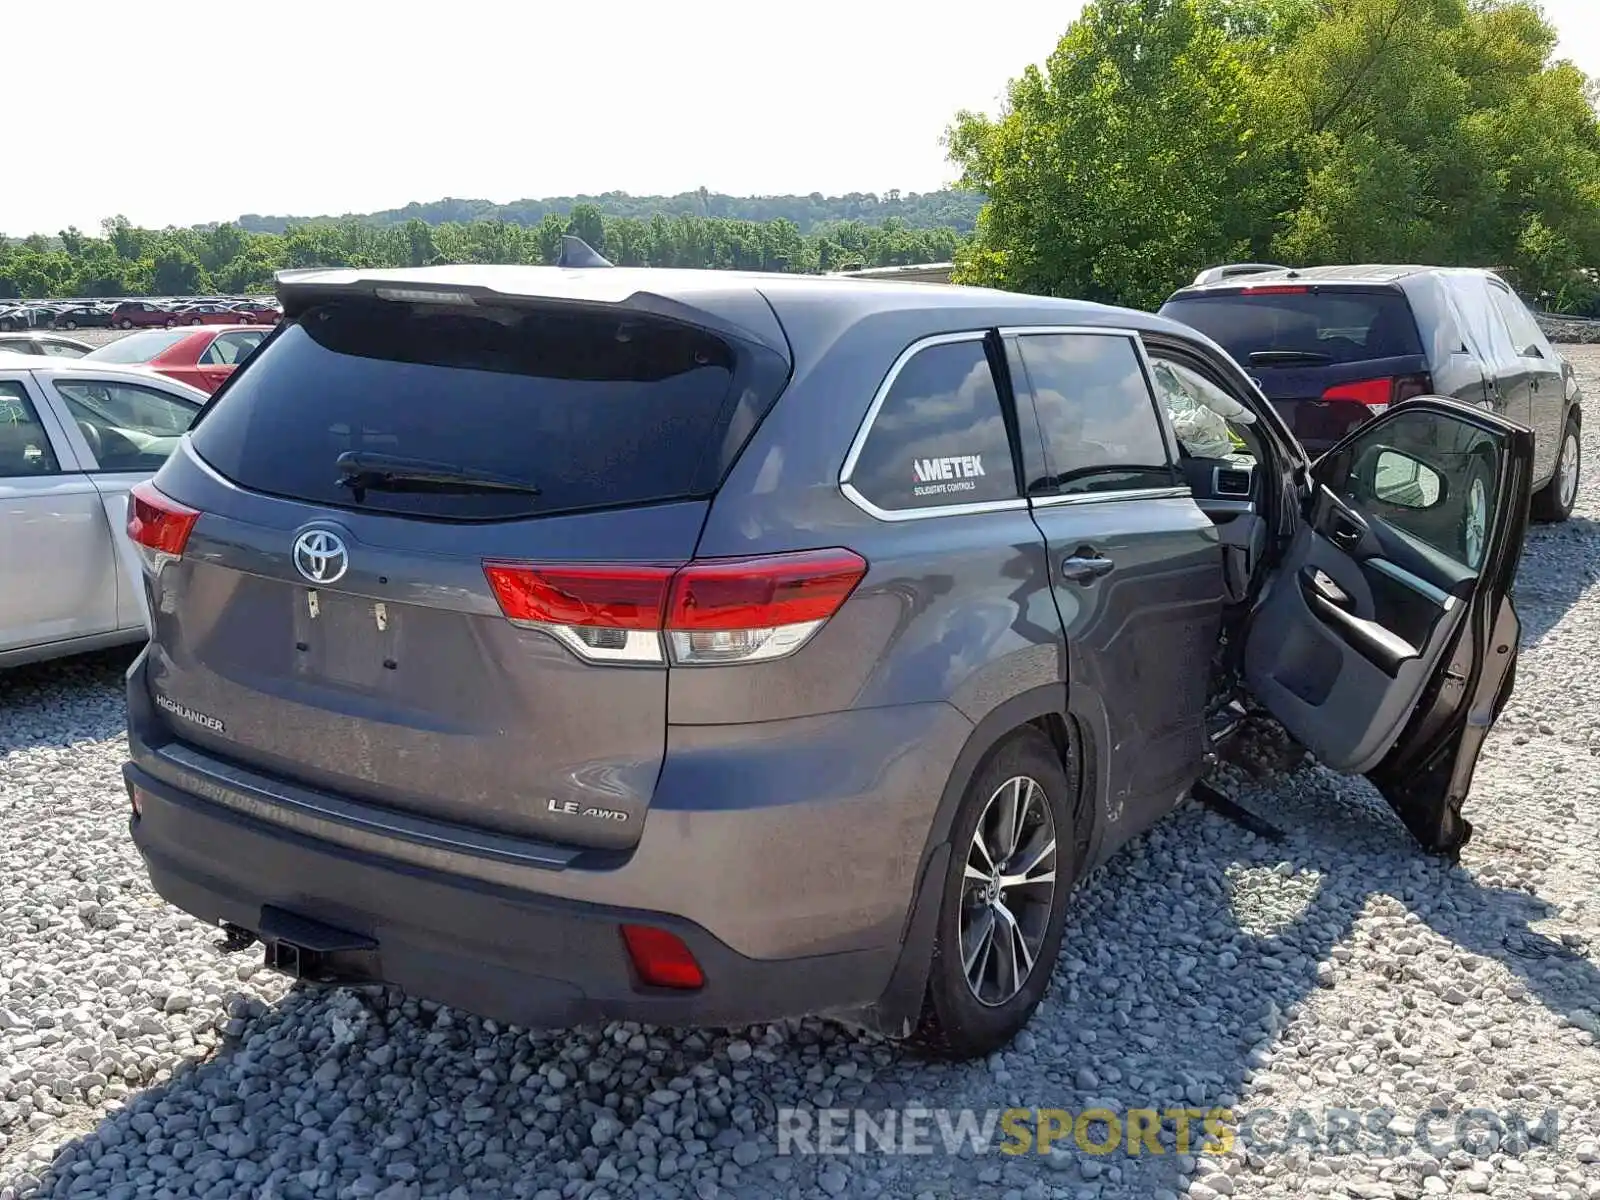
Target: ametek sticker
(942,476)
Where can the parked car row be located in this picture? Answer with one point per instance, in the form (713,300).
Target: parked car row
(137,314)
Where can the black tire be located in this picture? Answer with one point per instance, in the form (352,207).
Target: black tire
(1548,502)
(954,1022)
(124,324)
(70,325)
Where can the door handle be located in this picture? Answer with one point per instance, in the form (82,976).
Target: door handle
(1345,534)
(1085,567)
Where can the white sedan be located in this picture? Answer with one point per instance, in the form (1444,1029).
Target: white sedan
(74,437)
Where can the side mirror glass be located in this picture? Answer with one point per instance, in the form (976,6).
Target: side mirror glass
(1405,482)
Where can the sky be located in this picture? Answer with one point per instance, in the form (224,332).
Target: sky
(187,111)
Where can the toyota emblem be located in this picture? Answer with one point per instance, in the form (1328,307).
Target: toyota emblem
(320,555)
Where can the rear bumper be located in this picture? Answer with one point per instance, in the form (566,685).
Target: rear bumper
(795,903)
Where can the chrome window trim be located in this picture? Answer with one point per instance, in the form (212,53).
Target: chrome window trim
(1105,330)
(1162,493)
(852,494)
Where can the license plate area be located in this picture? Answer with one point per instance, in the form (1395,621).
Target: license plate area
(348,640)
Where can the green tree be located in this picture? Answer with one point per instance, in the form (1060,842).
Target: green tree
(586,222)
(1123,164)
(176,272)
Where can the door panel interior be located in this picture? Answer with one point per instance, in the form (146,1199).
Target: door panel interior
(1387,644)
(1343,655)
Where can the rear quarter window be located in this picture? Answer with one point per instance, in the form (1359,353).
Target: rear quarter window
(1322,326)
(939,438)
(593,410)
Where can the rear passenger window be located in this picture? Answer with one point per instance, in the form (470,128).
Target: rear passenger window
(1096,413)
(1525,334)
(24,445)
(939,438)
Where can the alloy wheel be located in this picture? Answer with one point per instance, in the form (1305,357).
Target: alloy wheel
(1008,890)
(1476,523)
(1567,470)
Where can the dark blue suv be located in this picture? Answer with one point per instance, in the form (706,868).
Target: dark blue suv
(1331,346)
(692,647)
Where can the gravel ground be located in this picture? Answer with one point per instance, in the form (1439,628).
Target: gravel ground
(1324,978)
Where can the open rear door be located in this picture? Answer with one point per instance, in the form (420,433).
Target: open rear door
(1387,643)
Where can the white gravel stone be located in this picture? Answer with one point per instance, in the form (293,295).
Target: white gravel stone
(1203,966)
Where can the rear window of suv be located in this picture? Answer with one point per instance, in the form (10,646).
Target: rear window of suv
(593,410)
(1302,327)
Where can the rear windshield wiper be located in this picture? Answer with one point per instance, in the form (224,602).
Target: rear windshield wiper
(1267,358)
(363,472)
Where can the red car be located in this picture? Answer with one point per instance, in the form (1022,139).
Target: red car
(202,358)
(207,314)
(258,314)
(141,314)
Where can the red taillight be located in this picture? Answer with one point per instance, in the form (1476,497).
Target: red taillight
(613,597)
(711,611)
(1375,395)
(158,525)
(661,958)
(1277,289)
(746,593)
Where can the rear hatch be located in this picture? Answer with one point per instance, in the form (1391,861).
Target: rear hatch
(1328,356)
(330,617)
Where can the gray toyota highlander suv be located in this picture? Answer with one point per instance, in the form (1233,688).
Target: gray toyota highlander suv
(569,644)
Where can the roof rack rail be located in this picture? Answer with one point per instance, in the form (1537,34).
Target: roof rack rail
(575,252)
(1229,270)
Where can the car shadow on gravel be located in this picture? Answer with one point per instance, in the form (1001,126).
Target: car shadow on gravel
(1565,570)
(1349,855)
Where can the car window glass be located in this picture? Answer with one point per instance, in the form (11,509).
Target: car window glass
(1291,327)
(58,350)
(1432,479)
(230,349)
(1202,413)
(128,427)
(1096,413)
(24,446)
(939,438)
(1525,335)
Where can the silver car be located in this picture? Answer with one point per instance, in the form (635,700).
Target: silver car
(74,437)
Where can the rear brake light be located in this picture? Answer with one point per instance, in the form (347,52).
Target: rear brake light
(710,611)
(661,958)
(158,525)
(1375,395)
(1278,289)
(605,612)
(746,610)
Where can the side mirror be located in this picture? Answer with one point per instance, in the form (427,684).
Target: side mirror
(1405,482)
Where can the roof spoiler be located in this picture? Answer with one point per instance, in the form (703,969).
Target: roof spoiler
(575,252)
(1229,270)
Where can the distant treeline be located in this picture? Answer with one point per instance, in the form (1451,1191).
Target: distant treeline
(126,260)
(929,210)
